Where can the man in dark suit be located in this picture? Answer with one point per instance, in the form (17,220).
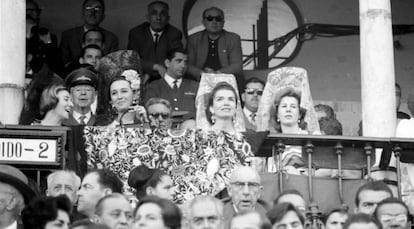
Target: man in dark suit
(154,38)
(245,190)
(93,12)
(215,50)
(14,194)
(82,84)
(179,91)
(251,98)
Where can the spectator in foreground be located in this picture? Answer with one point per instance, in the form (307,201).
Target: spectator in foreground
(392,213)
(369,195)
(47,213)
(205,212)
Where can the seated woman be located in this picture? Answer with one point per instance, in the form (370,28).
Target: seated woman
(156,213)
(218,104)
(121,91)
(148,181)
(47,213)
(121,83)
(289,115)
(286,107)
(221,108)
(55,105)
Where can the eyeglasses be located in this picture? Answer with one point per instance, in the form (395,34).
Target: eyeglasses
(93,8)
(250,185)
(163,115)
(252,91)
(217,18)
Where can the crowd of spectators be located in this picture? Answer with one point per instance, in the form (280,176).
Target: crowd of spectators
(87,81)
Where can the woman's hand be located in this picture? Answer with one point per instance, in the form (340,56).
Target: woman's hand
(140,113)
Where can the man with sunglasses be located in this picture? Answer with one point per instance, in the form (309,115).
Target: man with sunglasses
(93,13)
(251,98)
(392,213)
(244,190)
(153,39)
(215,50)
(159,113)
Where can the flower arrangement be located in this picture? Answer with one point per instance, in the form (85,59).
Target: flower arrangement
(133,77)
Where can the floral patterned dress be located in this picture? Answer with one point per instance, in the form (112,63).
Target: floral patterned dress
(198,162)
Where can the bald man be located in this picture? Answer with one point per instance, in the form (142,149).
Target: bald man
(245,190)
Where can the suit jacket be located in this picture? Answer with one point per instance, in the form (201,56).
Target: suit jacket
(229,49)
(248,124)
(141,40)
(71,121)
(229,212)
(181,100)
(71,43)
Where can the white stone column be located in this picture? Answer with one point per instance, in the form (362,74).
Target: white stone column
(377,69)
(12,59)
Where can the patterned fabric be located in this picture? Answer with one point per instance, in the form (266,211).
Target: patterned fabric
(198,162)
(278,82)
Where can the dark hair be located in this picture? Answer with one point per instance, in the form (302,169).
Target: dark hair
(329,111)
(42,210)
(49,98)
(219,86)
(102,2)
(93,30)
(373,186)
(330,126)
(164,4)
(108,179)
(171,214)
(302,111)
(254,80)
(391,200)
(213,8)
(171,53)
(142,177)
(91,46)
(361,218)
(287,192)
(341,210)
(279,211)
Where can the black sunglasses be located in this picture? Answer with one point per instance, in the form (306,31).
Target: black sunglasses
(163,115)
(217,18)
(251,91)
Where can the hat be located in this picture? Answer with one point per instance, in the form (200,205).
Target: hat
(82,76)
(14,177)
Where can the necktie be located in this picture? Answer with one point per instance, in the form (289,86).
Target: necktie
(82,119)
(175,85)
(253,117)
(156,36)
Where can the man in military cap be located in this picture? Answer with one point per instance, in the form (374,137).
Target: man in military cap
(82,83)
(14,194)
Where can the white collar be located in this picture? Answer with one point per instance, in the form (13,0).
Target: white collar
(170,80)
(153,32)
